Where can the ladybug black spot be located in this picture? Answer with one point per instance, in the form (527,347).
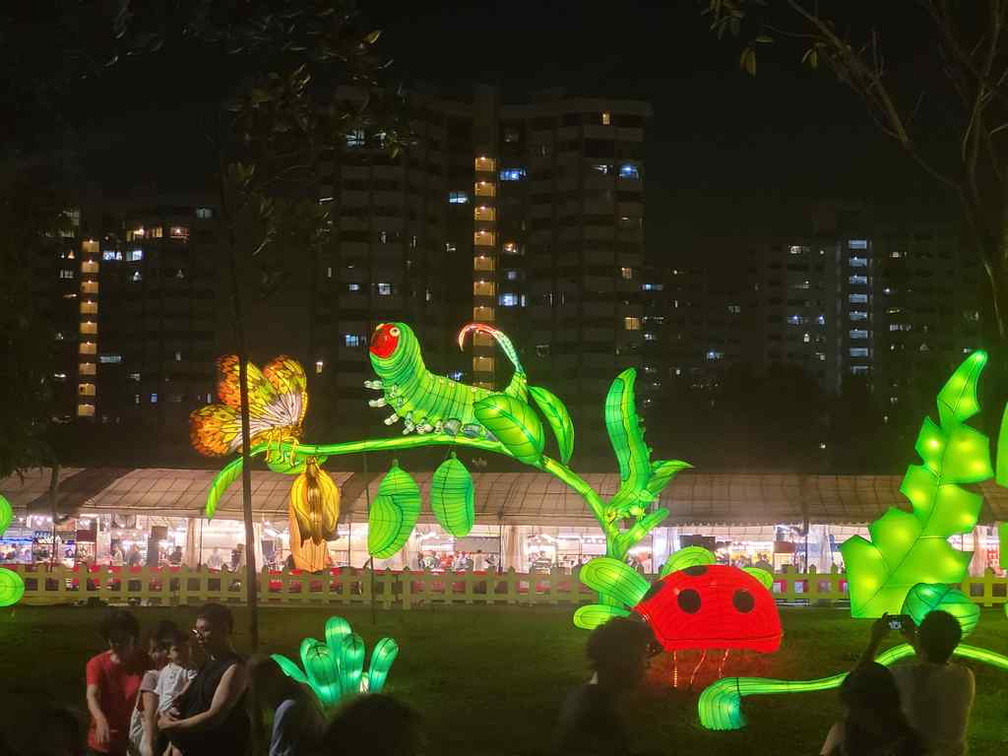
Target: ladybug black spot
(696,570)
(743,601)
(689,601)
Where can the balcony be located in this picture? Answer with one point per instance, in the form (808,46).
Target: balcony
(89,266)
(87,347)
(483,364)
(485,164)
(485,189)
(89,327)
(89,287)
(484,213)
(89,247)
(85,410)
(484,288)
(89,307)
(483,263)
(483,238)
(88,368)
(483,314)
(86,389)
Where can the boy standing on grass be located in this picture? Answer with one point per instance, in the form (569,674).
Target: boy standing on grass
(113,683)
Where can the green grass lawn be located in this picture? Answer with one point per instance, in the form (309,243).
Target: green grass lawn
(489,680)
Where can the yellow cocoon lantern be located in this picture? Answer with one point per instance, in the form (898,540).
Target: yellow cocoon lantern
(314,501)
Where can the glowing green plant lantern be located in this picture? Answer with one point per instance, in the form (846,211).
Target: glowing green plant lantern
(452,497)
(559,420)
(924,598)
(394,512)
(907,548)
(334,670)
(11,585)
(691,556)
(720,704)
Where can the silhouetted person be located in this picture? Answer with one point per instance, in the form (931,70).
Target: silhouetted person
(937,694)
(297,717)
(590,721)
(32,725)
(376,725)
(873,724)
(210,717)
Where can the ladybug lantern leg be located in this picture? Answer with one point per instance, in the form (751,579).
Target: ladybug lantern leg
(675,669)
(724,660)
(703,658)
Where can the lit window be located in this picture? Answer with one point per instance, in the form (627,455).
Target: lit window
(449,247)
(626,273)
(178,232)
(385,289)
(859,262)
(858,299)
(895,255)
(136,233)
(134,377)
(510,248)
(712,356)
(858,333)
(821,320)
(858,315)
(806,338)
(734,309)
(797,249)
(649,336)
(858,244)
(59,376)
(484,163)
(110,255)
(858,351)
(542,350)
(512,174)
(629,171)
(457,198)
(900,327)
(204,212)
(353,287)
(631,323)
(795,319)
(66,273)
(484,213)
(153,398)
(508,300)
(319,367)
(179,274)
(110,359)
(134,255)
(858,280)
(178,356)
(137,277)
(156,232)
(383,237)
(355,138)
(511,275)
(606,118)
(455,375)
(603,168)
(859,370)
(328,271)
(652,287)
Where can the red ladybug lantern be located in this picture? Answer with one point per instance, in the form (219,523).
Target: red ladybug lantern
(711,606)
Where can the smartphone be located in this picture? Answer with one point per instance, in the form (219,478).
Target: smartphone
(900,621)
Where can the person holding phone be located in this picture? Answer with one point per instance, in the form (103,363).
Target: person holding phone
(936,693)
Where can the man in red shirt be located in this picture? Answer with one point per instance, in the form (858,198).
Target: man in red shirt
(113,682)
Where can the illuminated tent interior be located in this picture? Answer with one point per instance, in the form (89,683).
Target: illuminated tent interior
(524,520)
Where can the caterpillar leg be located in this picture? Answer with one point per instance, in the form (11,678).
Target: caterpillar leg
(391,419)
(375,385)
(380,402)
(423,428)
(472,430)
(452,427)
(408,427)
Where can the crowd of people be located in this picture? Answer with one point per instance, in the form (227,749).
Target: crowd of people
(191,694)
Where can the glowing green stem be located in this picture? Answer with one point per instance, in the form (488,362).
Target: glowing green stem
(720,705)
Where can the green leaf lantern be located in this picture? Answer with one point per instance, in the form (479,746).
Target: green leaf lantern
(394,512)
(912,547)
(590,616)
(924,598)
(452,497)
(334,670)
(558,418)
(11,585)
(514,424)
(691,556)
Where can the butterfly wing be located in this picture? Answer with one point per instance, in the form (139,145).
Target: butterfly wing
(290,385)
(215,430)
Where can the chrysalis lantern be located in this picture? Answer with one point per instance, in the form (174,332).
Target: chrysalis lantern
(11,584)
(315,504)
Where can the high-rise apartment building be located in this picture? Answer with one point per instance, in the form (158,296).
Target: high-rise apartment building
(886,302)
(529,217)
(133,309)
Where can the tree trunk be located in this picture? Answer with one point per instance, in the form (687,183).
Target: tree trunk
(251,584)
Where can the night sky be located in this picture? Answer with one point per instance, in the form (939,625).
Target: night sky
(728,153)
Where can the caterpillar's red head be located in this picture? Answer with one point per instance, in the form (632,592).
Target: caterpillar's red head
(385,339)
